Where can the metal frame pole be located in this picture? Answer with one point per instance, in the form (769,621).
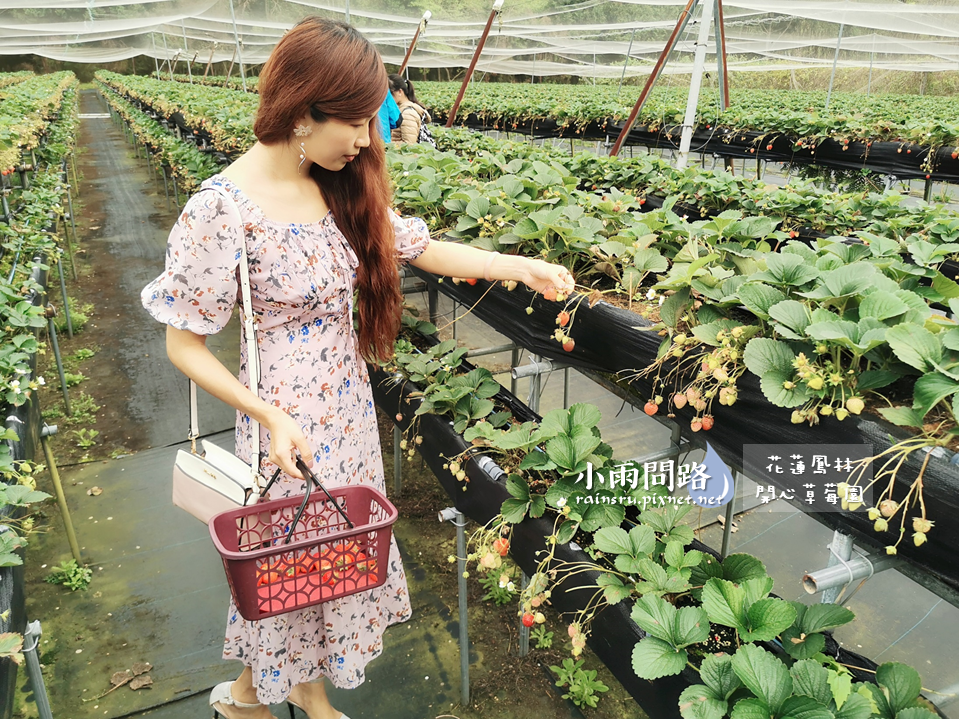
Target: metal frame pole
(66,303)
(166,51)
(236,38)
(626,62)
(186,49)
(397,461)
(523,629)
(30,653)
(696,82)
(654,76)
(156,62)
(497,8)
(451,514)
(721,59)
(52,330)
(835,61)
(416,36)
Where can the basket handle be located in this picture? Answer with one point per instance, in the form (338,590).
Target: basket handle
(311,480)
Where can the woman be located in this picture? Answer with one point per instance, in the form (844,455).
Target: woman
(310,200)
(413,114)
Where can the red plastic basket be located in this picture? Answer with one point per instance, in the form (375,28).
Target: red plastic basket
(325,559)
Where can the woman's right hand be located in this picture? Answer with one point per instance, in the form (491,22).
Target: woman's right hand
(287,441)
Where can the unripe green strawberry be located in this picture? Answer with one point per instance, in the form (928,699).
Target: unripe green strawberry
(919,538)
(797,417)
(826,410)
(855,405)
(841,414)
(880,525)
(874,514)
(891,549)
(815,383)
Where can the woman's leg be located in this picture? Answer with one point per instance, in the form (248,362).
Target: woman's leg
(243,691)
(312,699)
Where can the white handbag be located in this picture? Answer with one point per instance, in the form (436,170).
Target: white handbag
(217,481)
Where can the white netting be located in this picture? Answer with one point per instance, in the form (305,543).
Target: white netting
(538,37)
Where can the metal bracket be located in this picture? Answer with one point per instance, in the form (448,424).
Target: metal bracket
(451,514)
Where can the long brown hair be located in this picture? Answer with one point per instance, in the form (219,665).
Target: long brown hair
(330,70)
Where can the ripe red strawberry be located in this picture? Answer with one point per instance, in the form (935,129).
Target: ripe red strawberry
(793,234)
(955,155)
(642,201)
(501,545)
(651,408)
(752,150)
(528,619)
(471,281)
(569,344)
(696,424)
(708,422)
(909,151)
(562,319)
(549,294)
(769,146)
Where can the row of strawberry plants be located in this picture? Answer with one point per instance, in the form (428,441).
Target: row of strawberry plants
(714,621)
(188,164)
(29,240)
(12,78)
(798,205)
(824,327)
(921,120)
(226,116)
(25,109)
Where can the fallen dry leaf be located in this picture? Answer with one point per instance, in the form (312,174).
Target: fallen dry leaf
(120,678)
(94,491)
(141,682)
(141,668)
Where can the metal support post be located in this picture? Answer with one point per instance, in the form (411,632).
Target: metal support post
(432,299)
(566,388)
(692,102)
(497,8)
(840,552)
(653,76)
(66,303)
(69,244)
(416,36)
(514,363)
(483,351)
(397,461)
(166,188)
(927,190)
(730,515)
(156,63)
(46,432)
(451,514)
(186,49)
(31,638)
(523,629)
(239,53)
(52,330)
(176,194)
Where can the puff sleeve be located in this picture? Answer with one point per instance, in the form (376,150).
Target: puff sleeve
(412,237)
(198,288)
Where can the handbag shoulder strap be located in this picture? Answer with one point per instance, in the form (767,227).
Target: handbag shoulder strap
(253,355)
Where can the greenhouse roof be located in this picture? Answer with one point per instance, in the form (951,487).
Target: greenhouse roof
(539,37)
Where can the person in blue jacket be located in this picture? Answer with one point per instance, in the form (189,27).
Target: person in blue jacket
(389,116)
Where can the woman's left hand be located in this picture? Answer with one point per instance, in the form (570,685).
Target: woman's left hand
(541,276)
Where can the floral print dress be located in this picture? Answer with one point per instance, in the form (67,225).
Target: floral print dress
(302,278)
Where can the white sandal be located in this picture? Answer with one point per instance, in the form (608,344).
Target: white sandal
(223,694)
(290,703)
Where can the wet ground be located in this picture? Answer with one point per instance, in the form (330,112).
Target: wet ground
(160,596)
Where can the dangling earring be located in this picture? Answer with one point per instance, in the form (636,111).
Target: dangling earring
(302,157)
